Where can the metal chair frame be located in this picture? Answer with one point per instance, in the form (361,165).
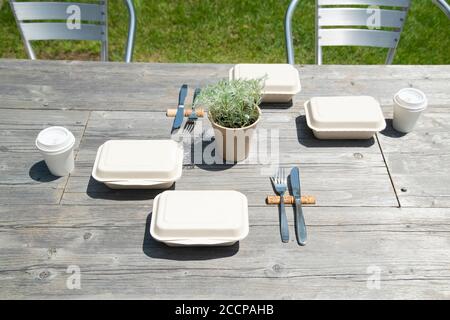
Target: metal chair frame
(331,20)
(32,19)
(444,6)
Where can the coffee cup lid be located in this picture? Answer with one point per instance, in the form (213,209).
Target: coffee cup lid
(54,139)
(411,98)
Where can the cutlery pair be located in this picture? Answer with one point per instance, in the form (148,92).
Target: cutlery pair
(280,184)
(180,110)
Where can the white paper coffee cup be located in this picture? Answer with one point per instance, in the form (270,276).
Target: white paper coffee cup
(56,146)
(409,104)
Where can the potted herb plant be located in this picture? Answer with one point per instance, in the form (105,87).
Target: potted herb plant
(234,113)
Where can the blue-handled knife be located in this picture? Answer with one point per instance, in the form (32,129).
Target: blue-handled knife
(180,111)
(300,226)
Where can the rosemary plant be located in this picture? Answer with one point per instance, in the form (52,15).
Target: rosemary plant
(232,103)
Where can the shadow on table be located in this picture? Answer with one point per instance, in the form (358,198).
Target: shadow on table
(215,167)
(202,145)
(97,190)
(272,105)
(39,172)
(306,137)
(158,250)
(390,131)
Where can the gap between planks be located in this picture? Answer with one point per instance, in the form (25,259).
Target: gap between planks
(75,156)
(388,171)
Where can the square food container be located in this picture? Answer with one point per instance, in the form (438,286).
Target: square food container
(355,117)
(138,164)
(282,81)
(199,218)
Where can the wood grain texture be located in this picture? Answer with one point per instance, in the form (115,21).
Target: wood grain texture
(48,224)
(419,162)
(410,249)
(24,176)
(144,87)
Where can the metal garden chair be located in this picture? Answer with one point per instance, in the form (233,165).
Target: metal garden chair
(91,23)
(338,23)
(444,6)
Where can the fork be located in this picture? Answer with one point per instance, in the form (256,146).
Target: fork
(190,123)
(193,116)
(188,127)
(279,181)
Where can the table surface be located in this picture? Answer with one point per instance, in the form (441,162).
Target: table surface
(382,207)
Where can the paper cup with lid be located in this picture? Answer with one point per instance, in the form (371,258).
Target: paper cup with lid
(56,146)
(409,104)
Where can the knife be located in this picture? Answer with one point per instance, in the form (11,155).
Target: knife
(300,226)
(180,111)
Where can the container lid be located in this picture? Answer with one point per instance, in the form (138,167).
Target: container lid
(411,98)
(200,216)
(138,160)
(356,113)
(54,139)
(281,78)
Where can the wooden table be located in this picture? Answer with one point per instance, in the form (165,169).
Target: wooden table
(382,205)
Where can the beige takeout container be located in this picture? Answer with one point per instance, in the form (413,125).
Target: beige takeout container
(200,218)
(355,117)
(138,164)
(282,81)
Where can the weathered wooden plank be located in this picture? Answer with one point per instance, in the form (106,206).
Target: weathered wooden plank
(165,285)
(418,161)
(38,119)
(113,86)
(408,247)
(72,86)
(19,128)
(24,176)
(24,216)
(333,185)
(427,72)
(145,97)
(430,136)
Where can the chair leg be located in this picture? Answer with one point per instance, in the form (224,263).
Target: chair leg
(390,56)
(29,50)
(288,31)
(131,31)
(319,55)
(104,52)
(318,48)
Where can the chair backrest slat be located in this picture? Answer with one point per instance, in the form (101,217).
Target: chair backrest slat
(386,3)
(57,11)
(359,17)
(59,31)
(373,23)
(358,37)
(62,21)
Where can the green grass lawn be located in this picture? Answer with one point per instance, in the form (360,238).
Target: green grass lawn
(230,31)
